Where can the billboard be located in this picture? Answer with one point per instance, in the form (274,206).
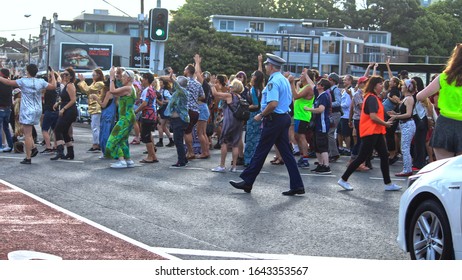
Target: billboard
(135,57)
(85,57)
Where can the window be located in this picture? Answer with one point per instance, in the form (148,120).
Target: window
(355,48)
(329,47)
(227,25)
(257,26)
(307,46)
(316,46)
(89,27)
(348,47)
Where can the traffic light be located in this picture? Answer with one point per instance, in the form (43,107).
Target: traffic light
(158,24)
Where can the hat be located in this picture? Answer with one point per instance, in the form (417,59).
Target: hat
(363,79)
(334,77)
(241,73)
(274,59)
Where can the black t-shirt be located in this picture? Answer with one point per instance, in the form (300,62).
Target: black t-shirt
(50,98)
(371,105)
(5,95)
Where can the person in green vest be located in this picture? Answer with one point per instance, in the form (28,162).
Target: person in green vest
(303,95)
(447,136)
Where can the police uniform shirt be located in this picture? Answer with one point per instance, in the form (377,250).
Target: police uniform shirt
(278,89)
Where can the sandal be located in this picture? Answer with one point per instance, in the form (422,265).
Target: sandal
(277,162)
(135,142)
(149,161)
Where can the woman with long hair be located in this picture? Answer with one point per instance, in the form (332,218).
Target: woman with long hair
(448,129)
(407,125)
(253,127)
(372,130)
(94,109)
(165,92)
(67,115)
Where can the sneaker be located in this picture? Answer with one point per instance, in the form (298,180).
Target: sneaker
(219,169)
(177,165)
(159,144)
(304,164)
(34,152)
(392,187)
(94,150)
(119,164)
(415,169)
(233,169)
(300,162)
(46,151)
(26,161)
(7,150)
(324,170)
(345,185)
(171,144)
(316,169)
(130,163)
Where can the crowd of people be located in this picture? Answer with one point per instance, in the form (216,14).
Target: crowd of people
(305,115)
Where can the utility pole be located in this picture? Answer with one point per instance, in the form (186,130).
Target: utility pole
(141,20)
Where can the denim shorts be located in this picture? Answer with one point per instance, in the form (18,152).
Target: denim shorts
(204,112)
(50,118)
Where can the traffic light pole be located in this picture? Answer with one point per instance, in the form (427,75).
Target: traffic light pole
(156,48)
(142,35)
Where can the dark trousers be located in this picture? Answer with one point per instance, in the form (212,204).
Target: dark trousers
(420,150)
(63,124)
(179,127)
(368,144)
(275,132)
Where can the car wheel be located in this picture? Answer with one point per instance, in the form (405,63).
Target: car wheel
(429,234)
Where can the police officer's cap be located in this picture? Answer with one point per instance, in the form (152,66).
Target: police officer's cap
(274,59)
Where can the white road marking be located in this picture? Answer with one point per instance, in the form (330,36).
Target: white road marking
(226,254)
(89,222)
(319,175)
(394,179)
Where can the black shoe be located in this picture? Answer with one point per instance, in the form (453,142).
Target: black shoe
(159,144)
(34,152)
(241,186)
(171,144)
(294,192)
(217,146)
(316,169)
(323,170)
(26,161)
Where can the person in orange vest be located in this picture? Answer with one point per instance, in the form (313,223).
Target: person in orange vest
(372,130)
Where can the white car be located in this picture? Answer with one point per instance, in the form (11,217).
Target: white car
(430,217)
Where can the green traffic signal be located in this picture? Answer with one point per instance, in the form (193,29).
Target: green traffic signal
(158,24)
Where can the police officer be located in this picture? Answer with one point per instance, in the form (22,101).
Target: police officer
(277,97)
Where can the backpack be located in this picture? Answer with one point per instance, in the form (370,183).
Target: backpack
(242,111)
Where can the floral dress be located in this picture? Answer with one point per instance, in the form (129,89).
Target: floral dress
(117,144)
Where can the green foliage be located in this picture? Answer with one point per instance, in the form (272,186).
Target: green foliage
(431,31)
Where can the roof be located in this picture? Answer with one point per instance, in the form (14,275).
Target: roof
(300,21)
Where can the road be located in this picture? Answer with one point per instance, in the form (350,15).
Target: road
(193,213)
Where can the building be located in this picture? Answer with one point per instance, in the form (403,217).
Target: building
(93,39)
(308,43)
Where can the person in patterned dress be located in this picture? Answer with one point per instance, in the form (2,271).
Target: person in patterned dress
(117,144)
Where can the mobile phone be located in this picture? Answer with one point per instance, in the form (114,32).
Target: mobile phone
(49,68)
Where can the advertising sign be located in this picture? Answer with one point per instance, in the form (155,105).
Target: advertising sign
(135,57)
(85,56)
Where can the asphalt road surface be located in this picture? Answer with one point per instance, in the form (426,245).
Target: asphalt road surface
(193,213)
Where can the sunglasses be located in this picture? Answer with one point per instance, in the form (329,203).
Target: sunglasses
(65,74)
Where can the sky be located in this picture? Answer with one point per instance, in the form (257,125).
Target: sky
(17,25)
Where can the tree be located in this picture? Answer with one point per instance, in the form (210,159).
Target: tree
(221,52)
